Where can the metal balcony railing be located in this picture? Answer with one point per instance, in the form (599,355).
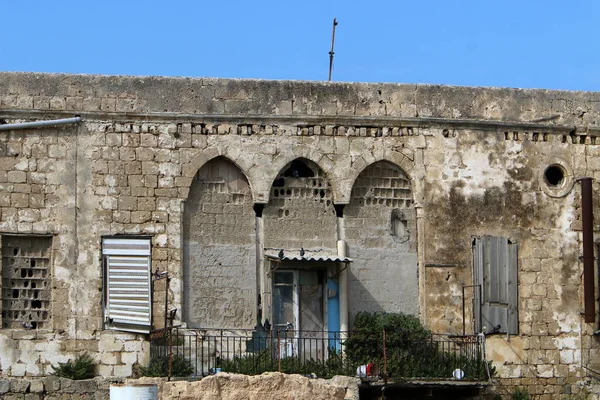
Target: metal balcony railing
(372,355)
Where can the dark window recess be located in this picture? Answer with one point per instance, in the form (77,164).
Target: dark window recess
(299,169)
(279,182)
(554,175)
(495,269)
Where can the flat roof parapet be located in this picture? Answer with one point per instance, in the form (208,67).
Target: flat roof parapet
(121,95)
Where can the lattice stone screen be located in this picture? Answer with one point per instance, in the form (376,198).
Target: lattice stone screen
(26,277)
(383,184)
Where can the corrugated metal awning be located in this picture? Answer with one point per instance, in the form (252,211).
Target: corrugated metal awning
(313,258)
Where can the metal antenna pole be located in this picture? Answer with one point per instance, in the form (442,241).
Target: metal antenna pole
(331,52)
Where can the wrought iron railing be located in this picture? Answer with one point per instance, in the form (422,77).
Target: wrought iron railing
(388,355)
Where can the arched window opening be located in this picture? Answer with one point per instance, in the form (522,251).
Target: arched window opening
(299,169)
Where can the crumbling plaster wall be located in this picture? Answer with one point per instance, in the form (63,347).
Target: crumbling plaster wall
(493,184)
(218,249)
(381,233)
(475,158)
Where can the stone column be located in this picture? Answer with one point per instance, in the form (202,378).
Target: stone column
(342,249)
(261,282)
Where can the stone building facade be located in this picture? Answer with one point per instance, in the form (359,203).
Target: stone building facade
(368,197)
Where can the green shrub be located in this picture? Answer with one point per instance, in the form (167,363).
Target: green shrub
(410,349)
(250,364)
(365,345)
(83,367)
(159,366)
(265,361)
(520,394)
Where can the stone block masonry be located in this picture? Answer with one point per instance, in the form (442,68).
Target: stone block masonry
(222,386)
(52,387)
(217,173)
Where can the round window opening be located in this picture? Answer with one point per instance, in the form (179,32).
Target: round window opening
(555,176)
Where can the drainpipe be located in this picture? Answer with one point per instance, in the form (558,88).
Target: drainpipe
(40,124)
(587,219)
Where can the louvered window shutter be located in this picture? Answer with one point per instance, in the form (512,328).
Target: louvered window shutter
(495,268)
(127,269)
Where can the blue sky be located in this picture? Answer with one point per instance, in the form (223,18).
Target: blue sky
(528,43)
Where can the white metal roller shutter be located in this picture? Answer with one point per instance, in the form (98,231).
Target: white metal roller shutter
(128,284)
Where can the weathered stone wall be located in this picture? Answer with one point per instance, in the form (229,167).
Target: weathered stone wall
(35,352)
(52,388)
(300,212)
(507,196)
(475,159)
(218,234)
(483,184)
(381,233)
(270,385)
(222,386)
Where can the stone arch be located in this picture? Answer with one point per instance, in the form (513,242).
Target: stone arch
(383,183)
(359,165)
(219,248)
(381,233)
(204,156)
(269,174)
(300,211)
